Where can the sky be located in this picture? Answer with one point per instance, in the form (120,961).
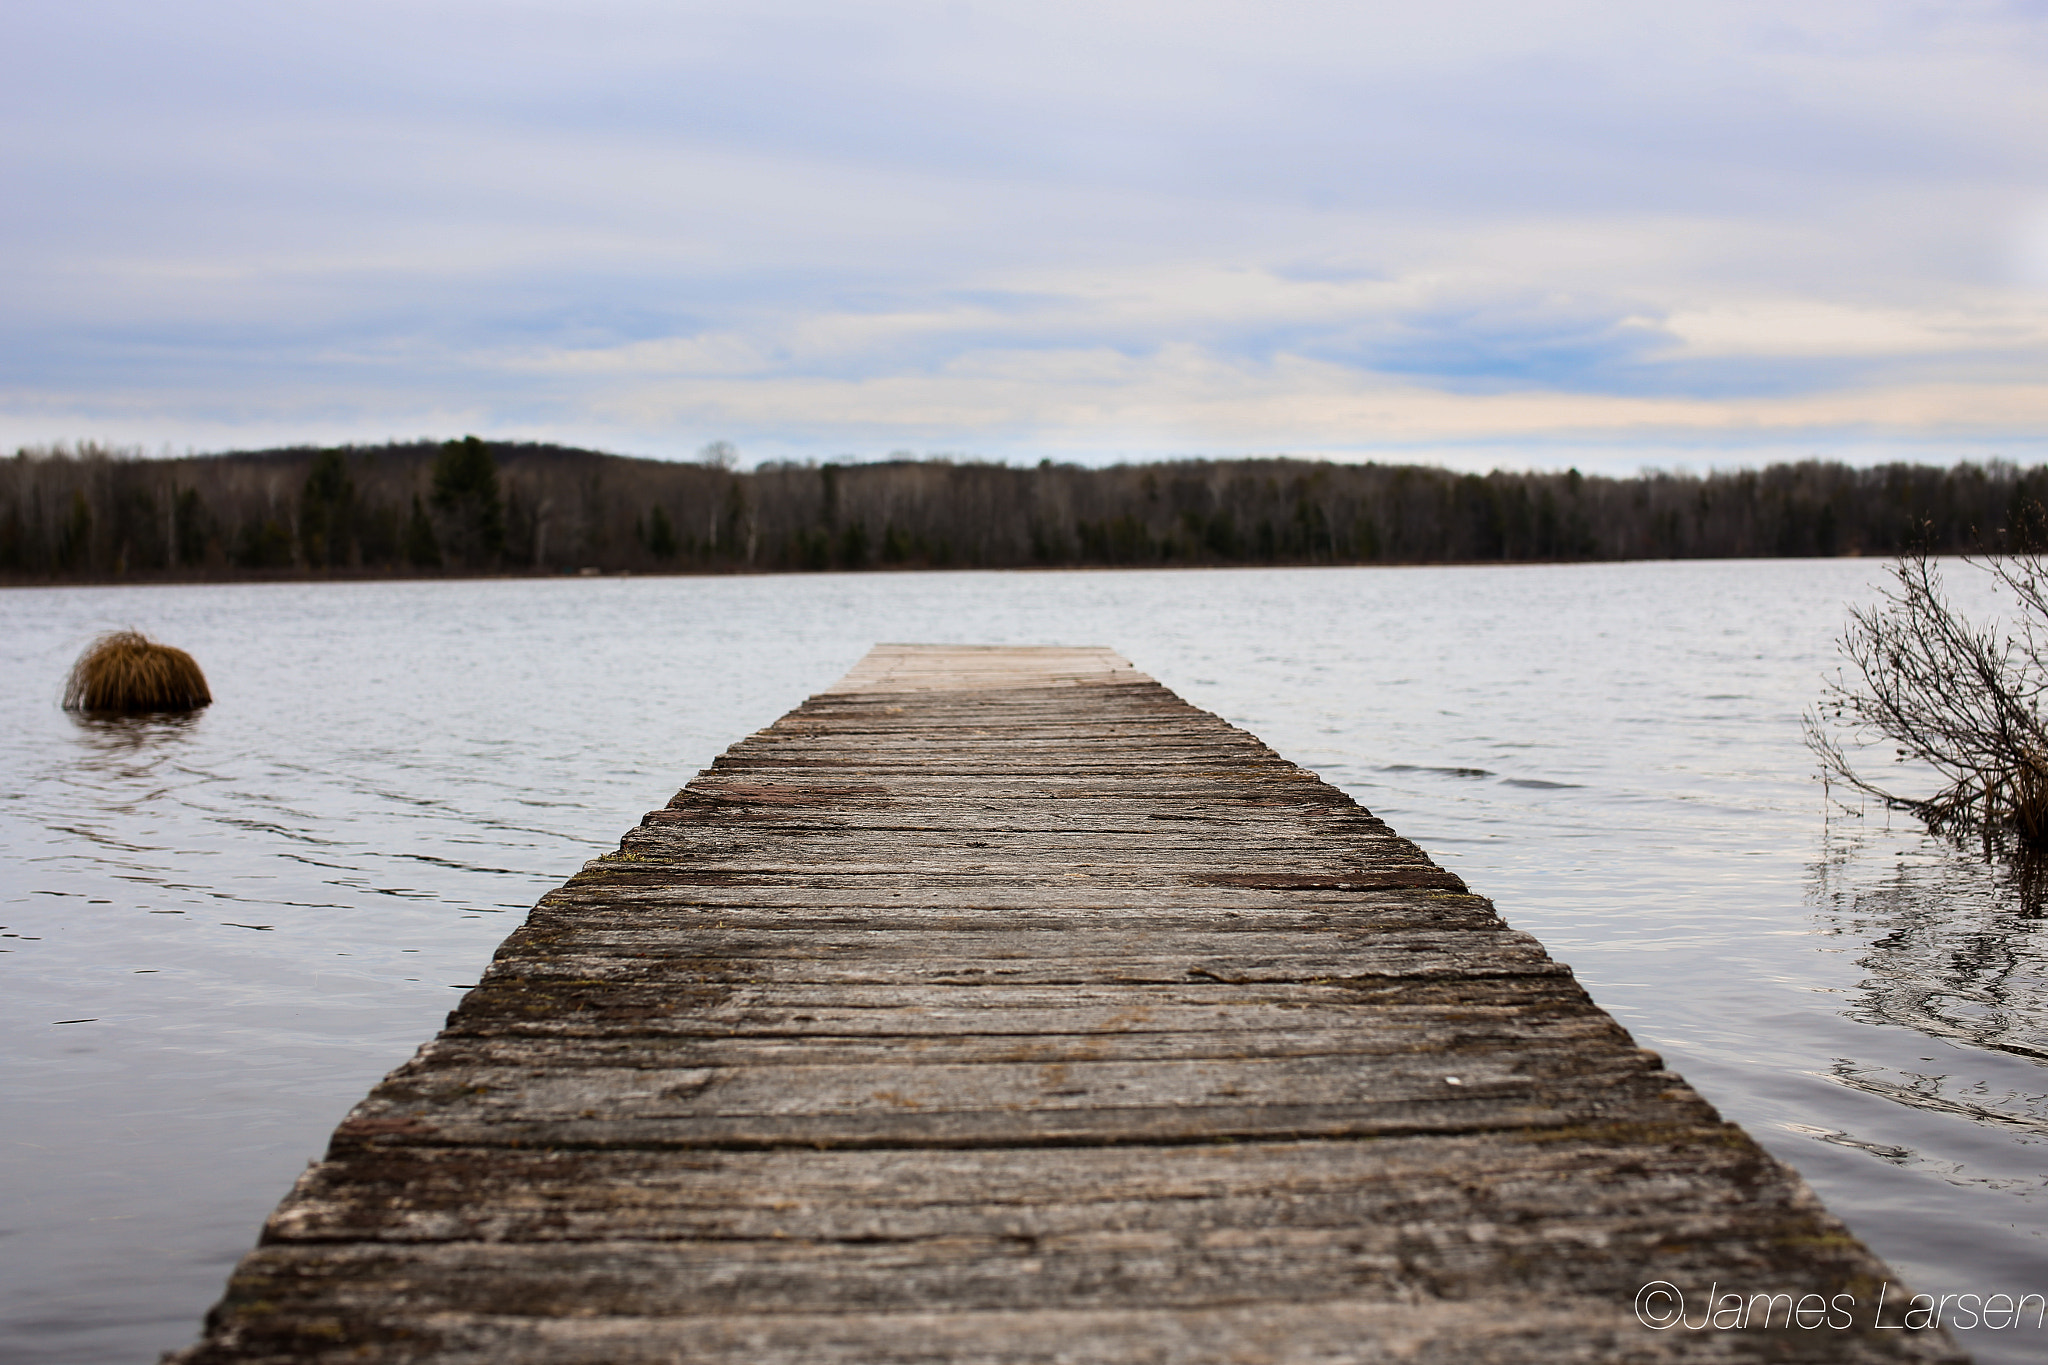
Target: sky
(1479,234)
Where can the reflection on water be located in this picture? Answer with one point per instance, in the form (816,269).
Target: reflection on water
(126,761)
(111,734)
(1957,947)
(1953,946)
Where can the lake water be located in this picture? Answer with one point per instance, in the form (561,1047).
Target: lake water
(219,934)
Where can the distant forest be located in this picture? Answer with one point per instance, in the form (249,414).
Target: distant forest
(480,507)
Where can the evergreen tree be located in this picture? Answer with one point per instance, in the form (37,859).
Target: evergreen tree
(661,534)
(422,550)
(326,511)
(467,497)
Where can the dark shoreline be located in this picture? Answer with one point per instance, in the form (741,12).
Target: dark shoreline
(876,570)
(473,508)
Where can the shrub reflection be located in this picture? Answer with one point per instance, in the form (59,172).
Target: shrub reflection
(1954,946)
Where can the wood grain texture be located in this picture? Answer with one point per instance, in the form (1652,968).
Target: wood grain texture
(996,1005)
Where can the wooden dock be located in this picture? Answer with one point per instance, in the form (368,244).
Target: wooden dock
(996,1005)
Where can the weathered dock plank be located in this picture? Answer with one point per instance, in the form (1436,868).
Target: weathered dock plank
(998,1006)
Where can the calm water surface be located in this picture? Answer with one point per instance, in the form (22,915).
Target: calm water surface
(218,935)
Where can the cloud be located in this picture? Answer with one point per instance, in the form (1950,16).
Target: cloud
(1169,228)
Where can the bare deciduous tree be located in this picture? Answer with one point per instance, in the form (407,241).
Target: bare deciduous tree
(1937,689)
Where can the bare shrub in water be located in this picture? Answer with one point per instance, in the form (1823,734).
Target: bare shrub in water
(1963,699)
(126,671)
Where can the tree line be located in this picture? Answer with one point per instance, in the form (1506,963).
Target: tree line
(472,506)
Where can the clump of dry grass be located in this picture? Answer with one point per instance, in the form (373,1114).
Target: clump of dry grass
(126,671)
